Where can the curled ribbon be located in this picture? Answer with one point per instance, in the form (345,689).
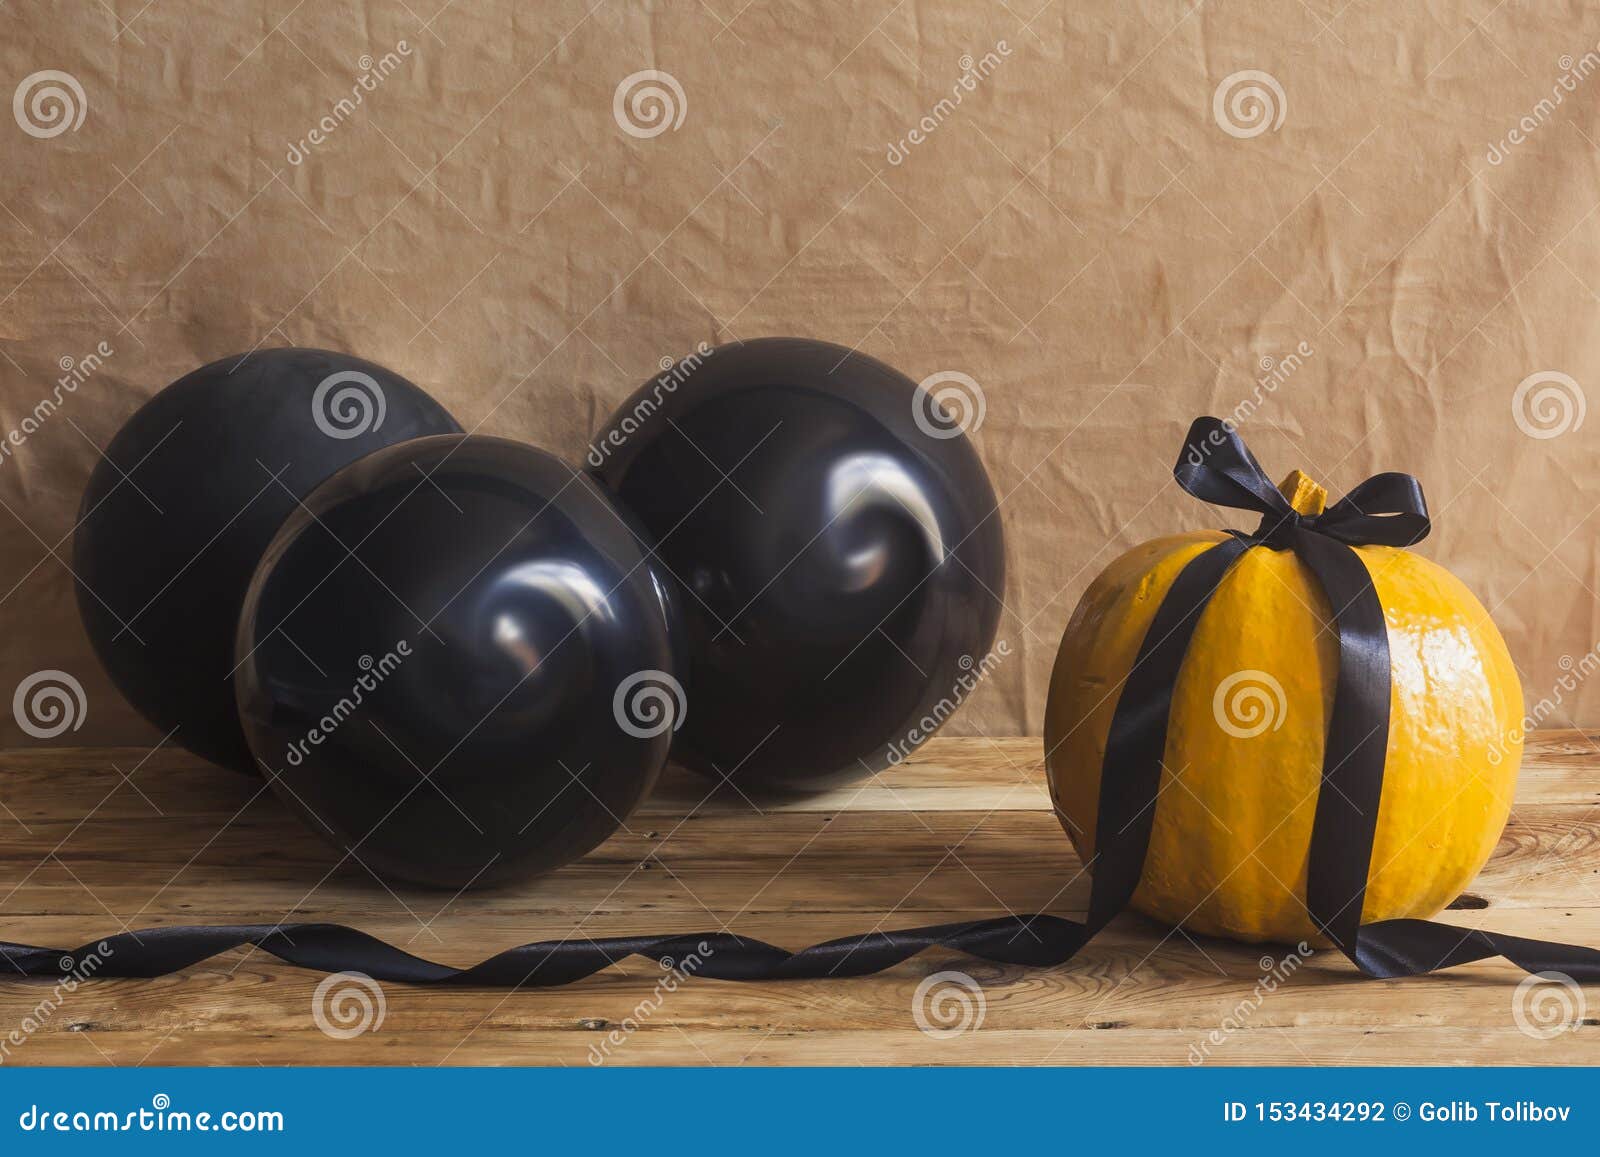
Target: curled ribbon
(1215,466)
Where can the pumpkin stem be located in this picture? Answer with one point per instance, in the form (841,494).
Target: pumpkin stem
(1303,494)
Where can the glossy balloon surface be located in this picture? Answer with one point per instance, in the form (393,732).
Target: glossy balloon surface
(482,690)
(839,560)
(188,494)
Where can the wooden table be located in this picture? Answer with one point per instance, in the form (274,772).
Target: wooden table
(96,840)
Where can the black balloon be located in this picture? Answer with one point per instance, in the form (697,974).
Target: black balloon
(186,498)
(837,545)
(456,662)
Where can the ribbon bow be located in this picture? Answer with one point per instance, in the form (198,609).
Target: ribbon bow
(1216,466)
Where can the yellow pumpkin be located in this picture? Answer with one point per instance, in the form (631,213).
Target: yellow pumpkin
(1243,760)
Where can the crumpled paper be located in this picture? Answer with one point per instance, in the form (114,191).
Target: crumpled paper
(1368,234)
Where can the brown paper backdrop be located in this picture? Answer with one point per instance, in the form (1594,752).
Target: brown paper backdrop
(1079,233)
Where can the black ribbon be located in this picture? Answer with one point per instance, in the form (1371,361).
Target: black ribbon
(1215,466)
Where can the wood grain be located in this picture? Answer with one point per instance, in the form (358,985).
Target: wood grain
(98,840)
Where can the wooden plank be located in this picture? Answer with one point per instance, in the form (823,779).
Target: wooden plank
(960,831)
(671,1045)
